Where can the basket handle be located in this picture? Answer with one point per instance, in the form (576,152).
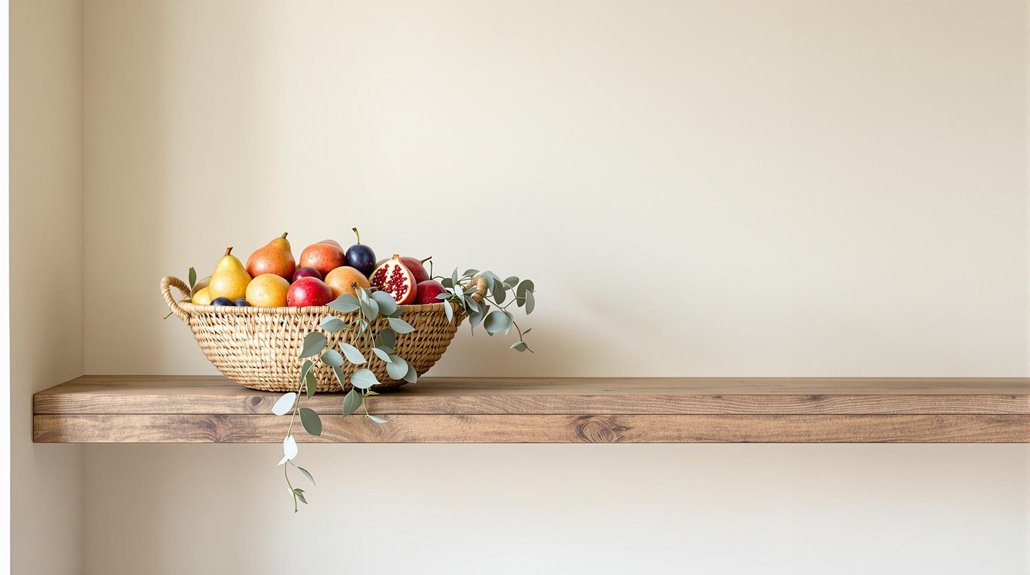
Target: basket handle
(480,283)
(169,282)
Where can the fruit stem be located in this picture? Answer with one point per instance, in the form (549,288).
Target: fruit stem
(228,250)
(425,260)
(357,235)
(284,235)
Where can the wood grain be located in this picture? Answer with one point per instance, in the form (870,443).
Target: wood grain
(541,429)
(163,409)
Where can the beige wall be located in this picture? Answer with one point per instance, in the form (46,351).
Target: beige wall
(47,294)
(796,188)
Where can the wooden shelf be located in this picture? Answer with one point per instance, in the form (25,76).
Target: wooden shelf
(162,409)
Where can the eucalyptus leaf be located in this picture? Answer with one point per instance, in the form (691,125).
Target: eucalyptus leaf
(300,495)
(307,474)
(310,383)
(443,296)
(304,369)
(363,378)
(496,322)
(284,404)
(400,326)
(351,402)
(289,449)
(454,278)
(499,292)
(471,305)
(397,367)
(411,376)
(469,273)
(382,354)
(475,319)
(332,324)
(447,283)
(512,281)
(530,302)
(524,287)
(333,358)
(387,338)
(449,311)
(352,353)
(193,278)
(370,308)
(346,303)
(314,343)
(379,420)
(362,295)
(311,422)
(387,305)
(519,346)
(340,377)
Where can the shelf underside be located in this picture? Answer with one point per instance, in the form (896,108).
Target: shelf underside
(173,409)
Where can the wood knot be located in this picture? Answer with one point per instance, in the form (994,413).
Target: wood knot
(599,429)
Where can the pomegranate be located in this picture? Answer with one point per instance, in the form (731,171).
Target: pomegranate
(415,266)
(394,278)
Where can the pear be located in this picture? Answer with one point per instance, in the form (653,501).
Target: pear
(230,278)
(275,257)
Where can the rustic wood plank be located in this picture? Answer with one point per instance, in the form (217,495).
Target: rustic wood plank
(600,396)
(542,429)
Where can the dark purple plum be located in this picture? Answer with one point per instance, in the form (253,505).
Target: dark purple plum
(360,257)
(306,272)
(222,301)
(242,302)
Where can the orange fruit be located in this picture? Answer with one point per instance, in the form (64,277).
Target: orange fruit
(346,279)
(267,290)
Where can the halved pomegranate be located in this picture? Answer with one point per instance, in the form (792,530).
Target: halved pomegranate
(395,279)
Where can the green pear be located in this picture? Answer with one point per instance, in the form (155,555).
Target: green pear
(230,278)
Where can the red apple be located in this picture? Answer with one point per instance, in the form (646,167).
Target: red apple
(306,273)
(324,256)
(308,291)
(428,290)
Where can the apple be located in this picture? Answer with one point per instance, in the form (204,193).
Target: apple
(308,291)
(428,290)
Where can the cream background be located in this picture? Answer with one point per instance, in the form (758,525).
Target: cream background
(823,188)
(46,227)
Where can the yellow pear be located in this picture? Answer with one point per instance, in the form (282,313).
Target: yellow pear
(230,278)
(202,297)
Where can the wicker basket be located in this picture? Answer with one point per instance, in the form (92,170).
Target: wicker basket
(257,347)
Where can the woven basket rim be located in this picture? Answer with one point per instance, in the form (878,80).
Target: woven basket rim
(192,308)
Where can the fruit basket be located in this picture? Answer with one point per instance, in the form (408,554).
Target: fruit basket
(259,347)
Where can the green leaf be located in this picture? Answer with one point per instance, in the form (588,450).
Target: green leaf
(306,474)
(284,404)
(471,305)
(351,402)
(382,354)
(193,278)
(496,322)
(379,420)
(387,305)
(397,367)
(312,423)
(346,303)
(400,326)
(519,346)
(475,318)
(289,449)
(499,292)
(469,273)
(454,278)
(314,343)
(310,383)
(386,339)
(340,377)
(448,311)
(447,283)
(308,364)
(525,286)
(530,302)
(333,358)
(332,324)
(411,376)
(370,308)
(512,281)
(353,354)
(299,493)
(363,378)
